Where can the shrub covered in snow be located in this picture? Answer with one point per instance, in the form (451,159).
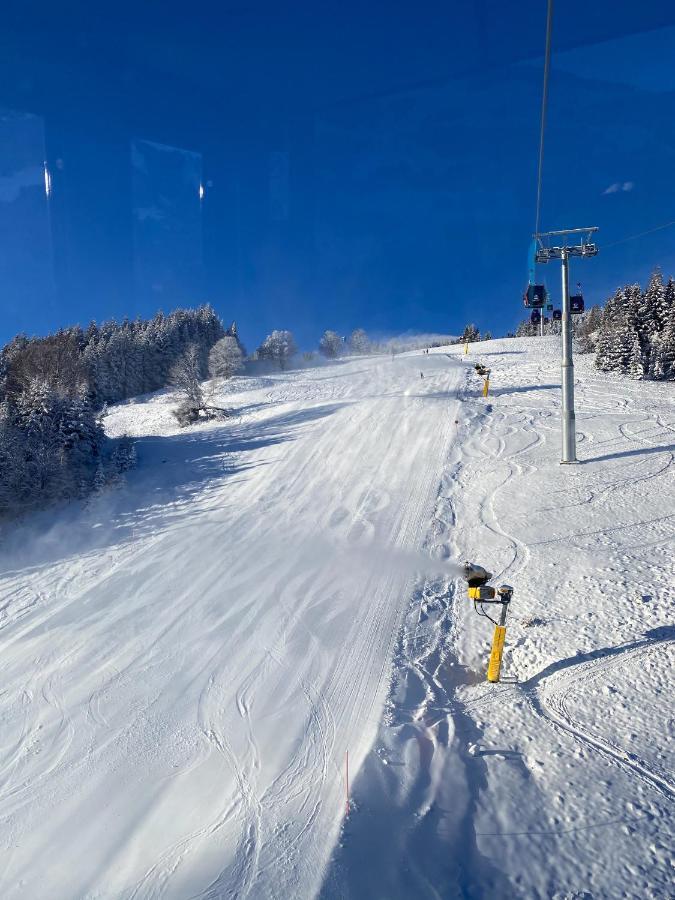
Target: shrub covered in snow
(331,344)
(279,347)
(359,342)
(186,377)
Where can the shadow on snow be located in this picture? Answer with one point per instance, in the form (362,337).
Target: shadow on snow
(175,476)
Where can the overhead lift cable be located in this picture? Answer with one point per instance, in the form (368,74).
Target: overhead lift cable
(640,234)
(544,101)
(536,296)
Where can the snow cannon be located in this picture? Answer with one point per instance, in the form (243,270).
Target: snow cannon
(483,593)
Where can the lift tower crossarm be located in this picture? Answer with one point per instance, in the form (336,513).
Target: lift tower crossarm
(589,230)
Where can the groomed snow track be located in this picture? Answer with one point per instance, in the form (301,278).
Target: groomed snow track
(185,662)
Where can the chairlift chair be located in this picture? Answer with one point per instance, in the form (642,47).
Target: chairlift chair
(535,296)
(577,301)
(557,315)
(535,317)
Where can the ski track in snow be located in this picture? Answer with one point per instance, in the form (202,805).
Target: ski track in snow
(459,782)
(550,701)
(186,660)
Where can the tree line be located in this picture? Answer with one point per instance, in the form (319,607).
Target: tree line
(54,391)
(53,396)
(636,332)
(279,348)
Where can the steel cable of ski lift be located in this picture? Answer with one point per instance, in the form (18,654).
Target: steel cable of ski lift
(640,234)
(544,102)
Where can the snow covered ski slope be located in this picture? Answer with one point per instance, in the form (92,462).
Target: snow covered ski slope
(561,785)
(185,661)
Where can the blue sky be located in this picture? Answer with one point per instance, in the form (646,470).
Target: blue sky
(410,141)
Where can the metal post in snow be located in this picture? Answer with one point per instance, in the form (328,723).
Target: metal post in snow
(545,254)
(569,432)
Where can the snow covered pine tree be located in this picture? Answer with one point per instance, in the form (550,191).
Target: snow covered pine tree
(225,358)
(330,344)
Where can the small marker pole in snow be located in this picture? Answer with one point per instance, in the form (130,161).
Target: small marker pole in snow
(347,783)
(466,347)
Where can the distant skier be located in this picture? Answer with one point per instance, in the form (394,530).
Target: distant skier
(421,374)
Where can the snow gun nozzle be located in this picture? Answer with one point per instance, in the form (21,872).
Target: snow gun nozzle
(475,575)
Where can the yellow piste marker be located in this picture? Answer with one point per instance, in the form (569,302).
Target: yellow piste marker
(466,348)
(486,386)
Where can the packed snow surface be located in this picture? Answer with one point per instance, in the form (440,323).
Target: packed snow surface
(186,659)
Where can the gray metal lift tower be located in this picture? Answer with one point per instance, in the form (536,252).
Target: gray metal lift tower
(545,253)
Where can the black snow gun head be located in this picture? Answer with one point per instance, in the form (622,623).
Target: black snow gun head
(479,590)
(476,575)
(481,370)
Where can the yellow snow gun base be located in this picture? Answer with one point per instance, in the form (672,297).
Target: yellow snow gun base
(495,664)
